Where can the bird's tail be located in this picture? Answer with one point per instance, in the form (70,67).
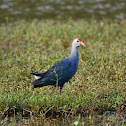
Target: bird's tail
(38,83)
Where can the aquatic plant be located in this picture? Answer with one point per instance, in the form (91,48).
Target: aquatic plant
(99,84)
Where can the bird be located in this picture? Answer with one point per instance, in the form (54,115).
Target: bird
(61,72)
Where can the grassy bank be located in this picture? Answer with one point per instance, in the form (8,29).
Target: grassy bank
(99,84)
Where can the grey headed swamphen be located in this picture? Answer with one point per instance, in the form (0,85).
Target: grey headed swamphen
(61,72)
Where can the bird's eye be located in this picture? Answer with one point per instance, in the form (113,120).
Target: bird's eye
(77,41)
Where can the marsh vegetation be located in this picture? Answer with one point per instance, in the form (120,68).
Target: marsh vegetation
(98,86)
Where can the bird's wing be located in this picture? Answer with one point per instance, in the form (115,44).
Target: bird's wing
(54,73)
(59,69)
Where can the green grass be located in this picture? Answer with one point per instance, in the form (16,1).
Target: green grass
(98,85)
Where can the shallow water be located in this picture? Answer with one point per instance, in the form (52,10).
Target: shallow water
(106,119)
(41,9)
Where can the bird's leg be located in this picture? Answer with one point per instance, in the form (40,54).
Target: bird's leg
(61,90)
(53,89)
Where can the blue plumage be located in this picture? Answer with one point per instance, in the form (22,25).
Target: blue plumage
(62,71)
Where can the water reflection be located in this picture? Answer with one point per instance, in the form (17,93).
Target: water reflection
(51,8)
(106,119)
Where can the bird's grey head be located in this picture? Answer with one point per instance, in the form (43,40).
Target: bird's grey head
(78,42)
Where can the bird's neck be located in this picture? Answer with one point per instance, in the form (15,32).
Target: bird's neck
(74,52)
